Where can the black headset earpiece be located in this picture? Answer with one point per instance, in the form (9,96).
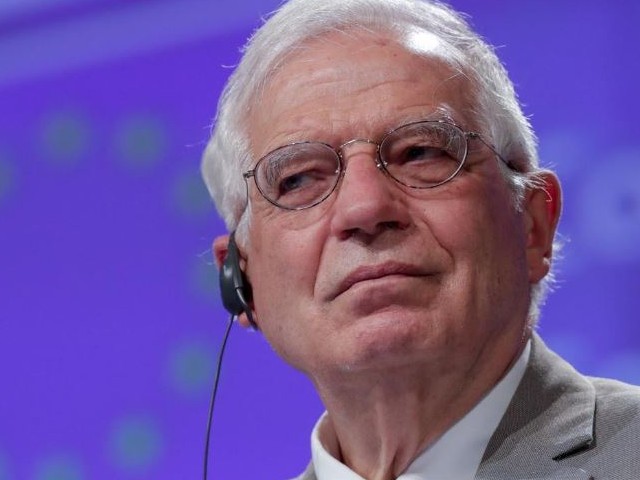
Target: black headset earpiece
(235,289)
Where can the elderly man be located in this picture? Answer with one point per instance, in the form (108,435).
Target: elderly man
(396,233)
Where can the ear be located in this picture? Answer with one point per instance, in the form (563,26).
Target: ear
(220,249)
(543,204)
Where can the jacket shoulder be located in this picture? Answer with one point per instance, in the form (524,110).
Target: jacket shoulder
(613,453)
(617,409)
(609,390)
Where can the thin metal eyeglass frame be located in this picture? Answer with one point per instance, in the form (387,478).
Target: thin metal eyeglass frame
(380,164)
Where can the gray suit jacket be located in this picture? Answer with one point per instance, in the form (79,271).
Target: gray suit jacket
(561,425)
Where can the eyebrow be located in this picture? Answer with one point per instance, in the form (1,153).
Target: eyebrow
(442,112)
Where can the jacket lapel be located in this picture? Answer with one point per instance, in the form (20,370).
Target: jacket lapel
(550,417)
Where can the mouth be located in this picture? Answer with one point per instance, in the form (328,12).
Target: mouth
(374,272)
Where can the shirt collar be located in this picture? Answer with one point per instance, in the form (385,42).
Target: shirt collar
(442,460)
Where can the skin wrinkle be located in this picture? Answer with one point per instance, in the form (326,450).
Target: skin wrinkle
(389,354)
(343,23)
(339,78)
(379,39)
(399,461)
(378,354)
(310,132)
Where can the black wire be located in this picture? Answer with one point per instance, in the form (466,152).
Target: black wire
(212,402)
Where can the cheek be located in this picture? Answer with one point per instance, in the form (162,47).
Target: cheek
(458,225)
(283,257)
(484,238)
(480,219)
(282,267)
(283,247)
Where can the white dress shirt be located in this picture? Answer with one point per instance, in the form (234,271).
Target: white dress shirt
(456,455)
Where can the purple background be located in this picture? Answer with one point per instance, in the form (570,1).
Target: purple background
(109,311)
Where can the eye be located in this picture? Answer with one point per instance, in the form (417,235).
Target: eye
(423,144)
(423,154)
(419,152)
(416,152)
(296,181)
(307,185)
(298,175)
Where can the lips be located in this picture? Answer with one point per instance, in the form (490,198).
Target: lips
(372,272)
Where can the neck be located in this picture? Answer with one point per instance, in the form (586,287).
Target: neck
(379,422)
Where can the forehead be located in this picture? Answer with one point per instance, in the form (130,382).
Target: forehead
(358,84)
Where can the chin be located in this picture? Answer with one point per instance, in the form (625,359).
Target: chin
(386,339)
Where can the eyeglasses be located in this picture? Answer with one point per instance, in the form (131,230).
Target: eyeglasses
(418,155)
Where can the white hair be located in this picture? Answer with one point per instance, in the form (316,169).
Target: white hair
(497,112)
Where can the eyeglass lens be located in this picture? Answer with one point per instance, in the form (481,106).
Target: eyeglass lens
(417,155)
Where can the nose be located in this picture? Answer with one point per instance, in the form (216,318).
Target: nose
(368,201)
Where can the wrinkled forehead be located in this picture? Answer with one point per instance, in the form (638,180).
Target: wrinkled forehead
(414,40)
(329,70)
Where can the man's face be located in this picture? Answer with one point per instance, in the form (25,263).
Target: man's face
(380,276)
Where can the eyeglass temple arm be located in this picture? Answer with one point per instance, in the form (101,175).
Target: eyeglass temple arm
(477,136)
